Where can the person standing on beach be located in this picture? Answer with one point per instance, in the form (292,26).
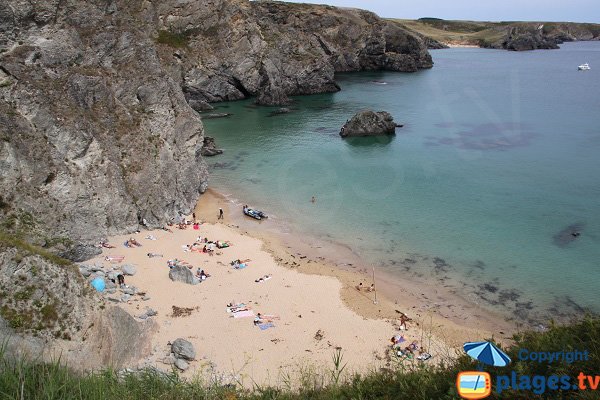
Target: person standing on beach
(313,199)
(221,215)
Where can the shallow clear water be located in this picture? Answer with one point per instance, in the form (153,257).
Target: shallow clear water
(500,151)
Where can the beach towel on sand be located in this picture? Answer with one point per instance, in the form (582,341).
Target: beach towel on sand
(266,326)
(243,314)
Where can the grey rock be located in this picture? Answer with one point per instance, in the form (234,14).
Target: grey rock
(183,349)
(369,123)
(181,364)
(183,274)
(128,269)
(169,360)
(125,298)
(209,148)
(215,115)
(200,105)
(129,291)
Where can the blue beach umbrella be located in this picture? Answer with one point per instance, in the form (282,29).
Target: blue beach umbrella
(487,353)
(99,284)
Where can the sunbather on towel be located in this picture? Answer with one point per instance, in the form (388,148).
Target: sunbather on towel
(152,255)
(133,243)
(106,245)
(267,318)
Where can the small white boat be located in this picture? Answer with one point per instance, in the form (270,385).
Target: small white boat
(584,67)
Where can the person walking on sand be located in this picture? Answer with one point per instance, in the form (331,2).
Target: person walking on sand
(221,215)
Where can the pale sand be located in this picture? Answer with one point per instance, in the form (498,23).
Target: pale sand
(306,302)
(460,45)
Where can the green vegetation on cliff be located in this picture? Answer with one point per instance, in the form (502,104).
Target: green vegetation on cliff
(30,380)
(502,35)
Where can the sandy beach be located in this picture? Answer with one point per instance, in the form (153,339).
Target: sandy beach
(316,305)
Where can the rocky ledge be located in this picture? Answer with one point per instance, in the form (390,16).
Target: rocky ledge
(369,123)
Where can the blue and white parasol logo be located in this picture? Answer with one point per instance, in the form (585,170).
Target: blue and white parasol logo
(487,353)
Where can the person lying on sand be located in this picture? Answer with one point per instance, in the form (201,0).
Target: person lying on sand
(114,258)
(201,274)
(238,261)
(152,255)
(166,228)
(263,279)
(133,243)
(397,340)
(423,355)
(106,245)
(223,244)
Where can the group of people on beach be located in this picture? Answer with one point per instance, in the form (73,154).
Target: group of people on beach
(360,287)
(413,350)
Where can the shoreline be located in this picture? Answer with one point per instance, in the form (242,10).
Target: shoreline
(436,305)
(319,311)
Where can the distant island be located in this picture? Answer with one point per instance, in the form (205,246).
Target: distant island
(516,36)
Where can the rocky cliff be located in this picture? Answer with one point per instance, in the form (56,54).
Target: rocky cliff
(96,128)
(273,50)
(94,133)
(46,311)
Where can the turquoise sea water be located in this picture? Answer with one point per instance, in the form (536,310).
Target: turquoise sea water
(500,152)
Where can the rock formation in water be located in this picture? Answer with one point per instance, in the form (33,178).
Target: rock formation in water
(209,147)
(369,123)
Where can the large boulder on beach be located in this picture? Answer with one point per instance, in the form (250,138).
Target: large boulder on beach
(182,349)
(180,273)
(369,123)
(128,269)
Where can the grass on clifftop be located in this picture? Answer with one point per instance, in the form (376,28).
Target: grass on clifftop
(25,248)
(456,32)
(28,380)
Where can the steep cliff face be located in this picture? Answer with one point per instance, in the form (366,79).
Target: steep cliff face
(96,128)
(94,134)
(48,312)
(232,49)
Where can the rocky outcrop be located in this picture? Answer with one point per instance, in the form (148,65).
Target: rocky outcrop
(209,148)
(369,123)
(525,37)
(48,311)
(273,50)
